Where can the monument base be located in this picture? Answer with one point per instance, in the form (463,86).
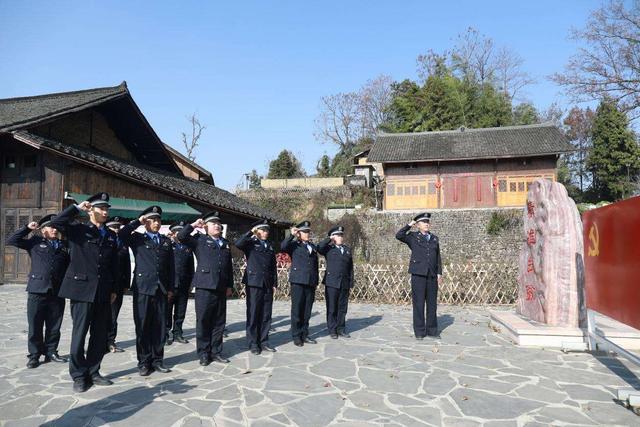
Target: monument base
(528,333)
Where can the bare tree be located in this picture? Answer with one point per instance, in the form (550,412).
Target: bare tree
(346,118)
(473,56)
(375,97)
(509,75)
(608,65)
(340,120)
(476,58)
(191,142)
(431,64)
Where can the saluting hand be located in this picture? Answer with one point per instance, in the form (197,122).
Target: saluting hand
(32,225)
(412,223)
(199,223)
(85,206)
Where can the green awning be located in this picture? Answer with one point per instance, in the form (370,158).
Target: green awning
(131,208)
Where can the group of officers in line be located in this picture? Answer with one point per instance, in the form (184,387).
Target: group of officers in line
(92,269)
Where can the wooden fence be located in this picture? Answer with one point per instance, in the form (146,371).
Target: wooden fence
(471,283)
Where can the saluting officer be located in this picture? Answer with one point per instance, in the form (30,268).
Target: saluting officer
(425,267)
(90,284)
(261,280)
(338,280)
(153,284)
(213,280)
(303,276)
(183,262)
(123,281)
(49,259)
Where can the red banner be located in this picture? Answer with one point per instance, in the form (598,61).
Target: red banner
(612,260)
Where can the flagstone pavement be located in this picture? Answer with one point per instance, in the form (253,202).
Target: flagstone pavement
(472,376)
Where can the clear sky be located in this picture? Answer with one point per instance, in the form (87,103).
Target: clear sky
(254,72)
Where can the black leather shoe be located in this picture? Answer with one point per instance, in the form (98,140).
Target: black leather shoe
(33,363)
(205,361)
(55,358)
(267,347)
(80,385)
(344,334)
(225,333)
(113,348)
(272,329)
(180,339)
(98,379)
(334,336)
(419,338)
(169,340)
(219,359)
(161,368)
(310,341)
(255,351)
(298,343)
(144,371)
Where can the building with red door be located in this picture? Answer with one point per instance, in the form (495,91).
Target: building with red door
(466,168)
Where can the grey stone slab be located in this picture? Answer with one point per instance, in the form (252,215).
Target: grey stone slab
(316,410)
(475,403)
(381,376)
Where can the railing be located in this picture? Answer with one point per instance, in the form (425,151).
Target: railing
(463,284)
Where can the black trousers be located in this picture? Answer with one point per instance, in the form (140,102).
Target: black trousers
(259,310)
(115,311)
(93,318)
(44,311)
(177,311)
(337,300)
(424,289)
(149,313)
(302,297)
(211,316)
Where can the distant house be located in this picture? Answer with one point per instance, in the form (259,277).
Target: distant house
(60,147)
(466,168)
(372,172)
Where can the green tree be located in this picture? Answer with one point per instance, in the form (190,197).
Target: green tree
(254,179)
(615,157)
(324,166)
(286,165)
(525,114)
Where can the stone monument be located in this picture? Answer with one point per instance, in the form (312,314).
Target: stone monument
(550,286)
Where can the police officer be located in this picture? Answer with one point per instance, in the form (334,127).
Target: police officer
(261,280)
(183,267)
(49,259)
(153,284)
(90,284)
(425,267)
(213,280)
(123,281)
(338,280)
(303,276)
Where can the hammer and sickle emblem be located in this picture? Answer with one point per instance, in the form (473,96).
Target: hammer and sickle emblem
(594,241)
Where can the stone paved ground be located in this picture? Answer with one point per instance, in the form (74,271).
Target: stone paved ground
(381,376)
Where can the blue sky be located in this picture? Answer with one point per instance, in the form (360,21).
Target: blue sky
(254,72)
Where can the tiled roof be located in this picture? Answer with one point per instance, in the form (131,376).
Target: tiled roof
(501,142)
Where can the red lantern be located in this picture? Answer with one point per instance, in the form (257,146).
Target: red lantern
(438,184)
(495,183)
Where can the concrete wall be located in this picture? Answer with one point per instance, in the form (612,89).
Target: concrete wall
(302,183)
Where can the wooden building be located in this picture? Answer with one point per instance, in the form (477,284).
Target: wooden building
(466,168)
(63,146)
